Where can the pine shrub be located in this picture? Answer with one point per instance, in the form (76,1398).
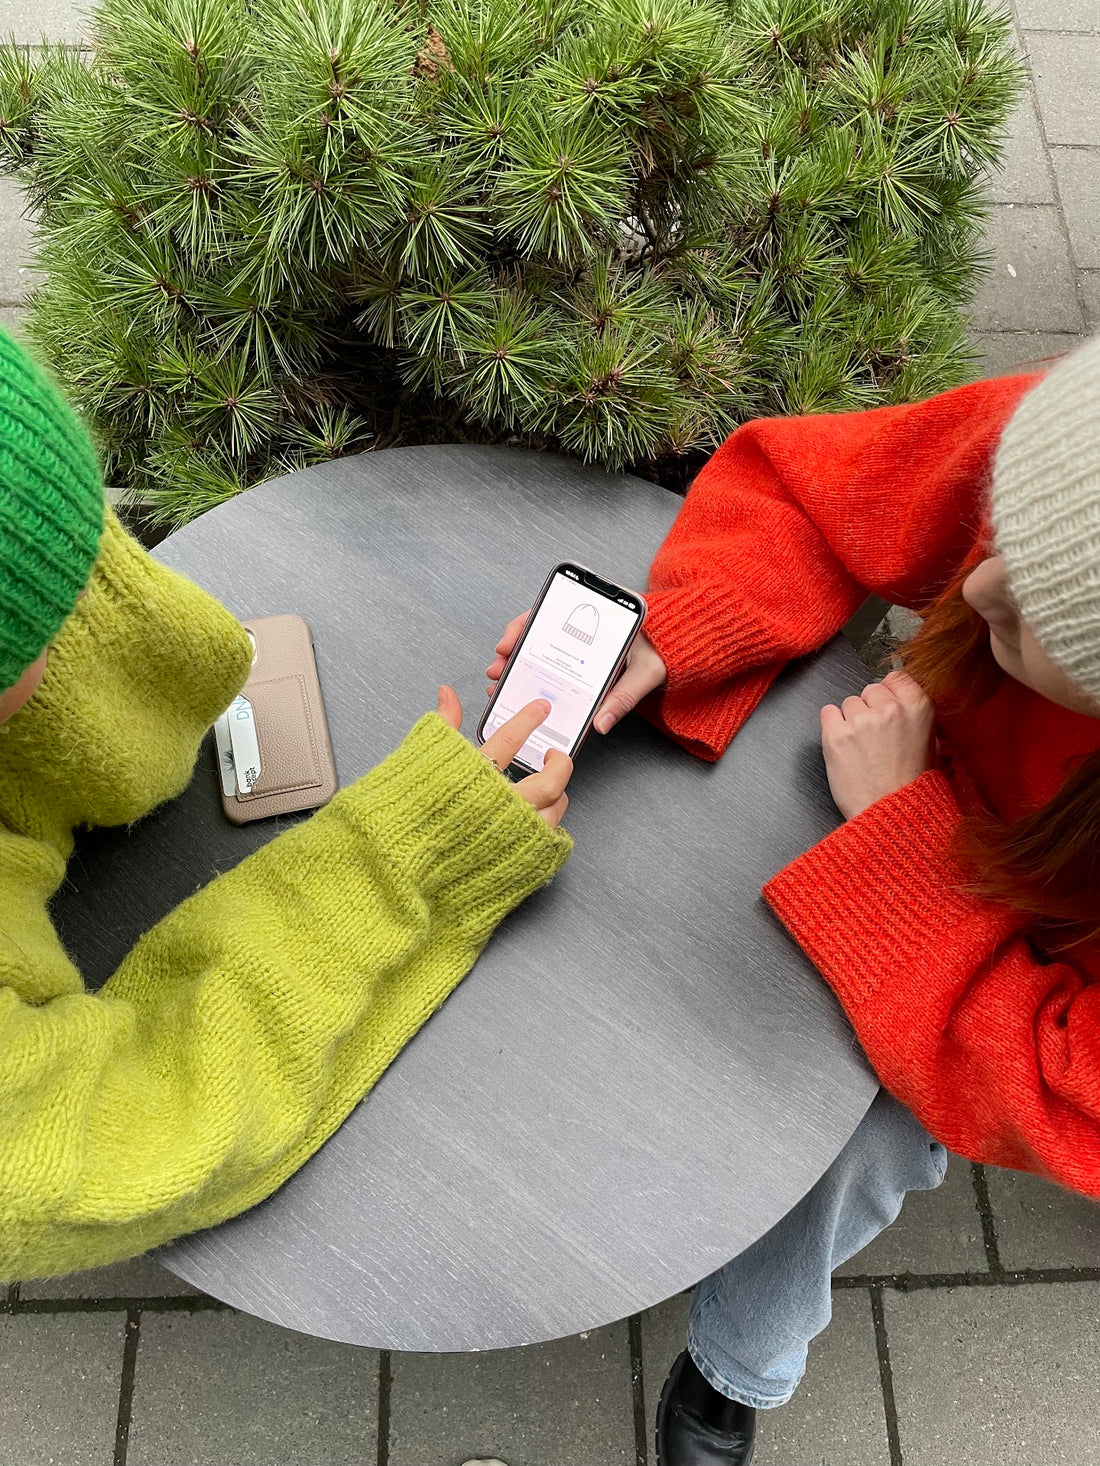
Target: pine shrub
(616,228)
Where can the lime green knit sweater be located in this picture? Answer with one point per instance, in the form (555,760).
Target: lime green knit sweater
(241,1030)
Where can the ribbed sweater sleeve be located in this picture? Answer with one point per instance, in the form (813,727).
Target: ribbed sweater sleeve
(241,1030)
(993,1046)
(793,523)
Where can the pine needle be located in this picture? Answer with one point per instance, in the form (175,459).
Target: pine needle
(275,234)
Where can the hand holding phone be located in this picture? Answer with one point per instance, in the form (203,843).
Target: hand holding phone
(569,650)
(643,672)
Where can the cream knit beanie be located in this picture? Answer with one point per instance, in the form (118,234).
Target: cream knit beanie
(1046,513)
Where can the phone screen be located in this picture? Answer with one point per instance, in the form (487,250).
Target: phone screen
(570,649)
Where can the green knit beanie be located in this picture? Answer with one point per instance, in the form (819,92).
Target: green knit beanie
(51,510)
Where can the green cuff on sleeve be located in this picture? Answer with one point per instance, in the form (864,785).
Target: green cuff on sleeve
(461,830)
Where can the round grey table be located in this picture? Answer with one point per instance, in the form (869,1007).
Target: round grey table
(642,1073)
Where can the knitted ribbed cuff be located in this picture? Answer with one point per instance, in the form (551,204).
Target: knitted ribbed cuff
(704,637)
(705,701)
(705,722)
(462,833)
(880,894)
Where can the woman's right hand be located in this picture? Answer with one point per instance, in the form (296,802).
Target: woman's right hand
(545,790)
(644,673)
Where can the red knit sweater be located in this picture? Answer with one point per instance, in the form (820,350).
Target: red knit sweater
(782,536)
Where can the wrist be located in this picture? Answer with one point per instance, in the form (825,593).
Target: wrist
(852,808)
(461,831)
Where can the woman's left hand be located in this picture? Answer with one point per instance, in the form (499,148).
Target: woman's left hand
(877,742)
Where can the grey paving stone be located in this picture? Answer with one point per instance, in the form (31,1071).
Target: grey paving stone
(1031,284)
(11,318)
(141,1278)
(222,1389)
(1039,1225)
(1003,353)
(1059,15)
(31,21)
(1090,294)
(1078,174)
(937,1232)
(1024,177)
(569,1401)
(59,1383)
(836,1416)
(1065,69)
(16,245)
(997,1376)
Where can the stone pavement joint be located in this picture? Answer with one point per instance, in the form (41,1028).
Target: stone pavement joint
(126,1386)
(985,1212)
(385,1380)
(886,1375)
(637,1390)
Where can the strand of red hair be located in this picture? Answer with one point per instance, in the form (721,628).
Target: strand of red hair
(1045,864)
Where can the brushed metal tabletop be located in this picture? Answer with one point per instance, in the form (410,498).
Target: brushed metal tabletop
(642,1073)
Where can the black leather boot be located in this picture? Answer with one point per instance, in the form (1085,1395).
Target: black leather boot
(696,1426)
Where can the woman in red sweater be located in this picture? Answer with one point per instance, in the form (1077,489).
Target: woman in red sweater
(956,911)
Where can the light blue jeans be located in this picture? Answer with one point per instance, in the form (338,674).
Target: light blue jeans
(752,1321)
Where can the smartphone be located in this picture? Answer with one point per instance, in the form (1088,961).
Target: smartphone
(572,648)
(272,743)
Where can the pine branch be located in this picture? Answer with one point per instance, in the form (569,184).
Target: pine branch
(612,227)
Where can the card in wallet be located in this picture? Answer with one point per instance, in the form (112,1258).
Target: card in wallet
(295,762)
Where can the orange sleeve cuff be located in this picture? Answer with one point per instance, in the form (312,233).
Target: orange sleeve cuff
(877,904)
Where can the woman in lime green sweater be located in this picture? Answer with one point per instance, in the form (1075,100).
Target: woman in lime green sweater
(242,1029)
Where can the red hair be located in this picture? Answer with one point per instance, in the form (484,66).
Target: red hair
(1045,864)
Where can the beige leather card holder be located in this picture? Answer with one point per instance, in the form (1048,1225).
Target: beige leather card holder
(297,767)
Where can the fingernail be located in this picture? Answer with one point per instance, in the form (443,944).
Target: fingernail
(546,707)
(604,723)
(439,698)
